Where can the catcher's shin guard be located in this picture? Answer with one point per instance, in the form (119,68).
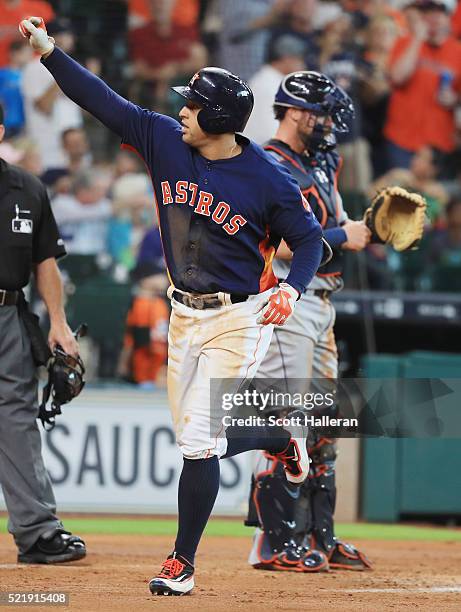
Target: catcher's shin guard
(273,499)
(315,509)
(252,516)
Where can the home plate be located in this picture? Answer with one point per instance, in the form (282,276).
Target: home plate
(442,589)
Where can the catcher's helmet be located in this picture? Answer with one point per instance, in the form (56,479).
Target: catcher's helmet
(226,100)
(67,376)
(315,92)
(65,381)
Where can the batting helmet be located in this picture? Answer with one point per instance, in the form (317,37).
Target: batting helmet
(226,100)
(319,94)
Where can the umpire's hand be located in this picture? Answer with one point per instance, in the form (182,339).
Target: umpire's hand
(60,333)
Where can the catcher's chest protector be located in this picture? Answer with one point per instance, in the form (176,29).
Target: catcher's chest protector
(313,174)
(317,179)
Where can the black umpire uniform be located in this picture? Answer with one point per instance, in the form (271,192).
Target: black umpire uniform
(28,236)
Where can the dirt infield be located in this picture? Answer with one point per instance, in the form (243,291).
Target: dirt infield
(114,576)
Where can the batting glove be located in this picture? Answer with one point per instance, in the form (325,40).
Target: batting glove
(280,306)
(34,29)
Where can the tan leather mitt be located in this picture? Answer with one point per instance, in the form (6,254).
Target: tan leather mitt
(396,217)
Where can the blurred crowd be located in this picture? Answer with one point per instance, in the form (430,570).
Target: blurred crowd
(399,60)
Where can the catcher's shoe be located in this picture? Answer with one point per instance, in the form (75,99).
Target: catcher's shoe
(295,458)
(313,560)
(262,556)
(54,546)
(288,559)
(176,577)
(346,556)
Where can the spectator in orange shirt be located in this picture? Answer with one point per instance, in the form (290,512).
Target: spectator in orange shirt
(11,13)
(145,345)
(425,70)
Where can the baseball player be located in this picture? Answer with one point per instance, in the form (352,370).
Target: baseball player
(223,206)
(310,109)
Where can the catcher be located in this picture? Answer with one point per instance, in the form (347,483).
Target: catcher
(295,525)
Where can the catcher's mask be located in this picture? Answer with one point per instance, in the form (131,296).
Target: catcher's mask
(318,94)
(65,381)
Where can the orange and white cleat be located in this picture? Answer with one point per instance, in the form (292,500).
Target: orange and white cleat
(176,577)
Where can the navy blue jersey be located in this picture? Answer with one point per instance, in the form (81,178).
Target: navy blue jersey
(221,221)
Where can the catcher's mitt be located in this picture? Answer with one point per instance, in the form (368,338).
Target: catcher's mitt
(396,217)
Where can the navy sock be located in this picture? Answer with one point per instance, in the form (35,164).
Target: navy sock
(272,439)
(198,488)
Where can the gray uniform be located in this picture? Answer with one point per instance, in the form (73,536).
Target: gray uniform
(28,236)
(25,482)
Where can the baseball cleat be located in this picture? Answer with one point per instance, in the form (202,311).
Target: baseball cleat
(288,559)
(263,557)
(54,546)
(176,577)
(295,458)
(348,557)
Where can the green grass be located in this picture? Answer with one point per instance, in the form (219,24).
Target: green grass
(234,528)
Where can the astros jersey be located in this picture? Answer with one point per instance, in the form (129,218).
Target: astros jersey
(220,220)
(216,216)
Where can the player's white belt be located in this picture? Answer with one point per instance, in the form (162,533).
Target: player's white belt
(202,301)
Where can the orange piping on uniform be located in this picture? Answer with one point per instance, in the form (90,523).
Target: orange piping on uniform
(313,189)
(268,278)
(286,156)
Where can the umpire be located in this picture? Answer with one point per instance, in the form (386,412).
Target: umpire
(29,242)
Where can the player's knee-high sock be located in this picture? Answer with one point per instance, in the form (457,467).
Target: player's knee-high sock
(272,439)
(198,488)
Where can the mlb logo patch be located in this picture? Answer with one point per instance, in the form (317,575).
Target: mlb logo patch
(21,226)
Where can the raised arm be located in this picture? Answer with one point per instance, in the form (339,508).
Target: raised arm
(87,90)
